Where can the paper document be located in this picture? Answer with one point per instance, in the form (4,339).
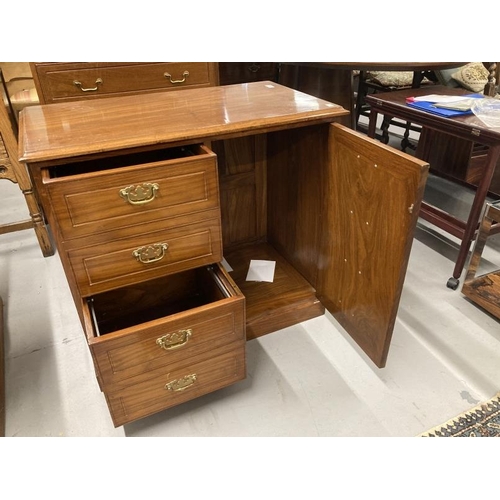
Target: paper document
(434,98)
(462,105)
(261,270)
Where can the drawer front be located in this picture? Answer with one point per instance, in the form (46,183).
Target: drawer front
(170,387)
(145,256)
(106,200)
(60,83)
(174,339)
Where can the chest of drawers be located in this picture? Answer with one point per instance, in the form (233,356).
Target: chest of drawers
(144,211)
(56,82)
(164,321)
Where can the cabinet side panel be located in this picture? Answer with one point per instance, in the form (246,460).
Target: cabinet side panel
(297,160)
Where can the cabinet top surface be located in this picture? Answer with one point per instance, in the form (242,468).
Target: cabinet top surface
(86,127)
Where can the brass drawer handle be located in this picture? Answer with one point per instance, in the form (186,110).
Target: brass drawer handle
(150,253)
(174,340)
(181,383)
(169,76)
(141,194)
(93,89)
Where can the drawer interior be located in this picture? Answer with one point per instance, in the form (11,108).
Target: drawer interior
(155,299)
(125,160)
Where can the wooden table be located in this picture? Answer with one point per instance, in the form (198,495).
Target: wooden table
(467,128)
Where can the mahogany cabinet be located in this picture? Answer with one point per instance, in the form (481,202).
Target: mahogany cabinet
(146,195)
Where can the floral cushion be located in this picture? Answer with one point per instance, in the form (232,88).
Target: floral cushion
(472,76)
(392,78)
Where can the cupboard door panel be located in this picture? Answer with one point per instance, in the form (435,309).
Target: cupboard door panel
(373,195)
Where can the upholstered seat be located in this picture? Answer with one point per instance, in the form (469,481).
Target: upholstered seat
(387,81)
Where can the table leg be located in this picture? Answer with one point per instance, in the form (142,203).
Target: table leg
(372,123)
(475,214)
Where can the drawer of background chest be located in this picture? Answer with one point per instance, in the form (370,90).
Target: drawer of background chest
(172,386)
(162,323)
(96,196)
(63,83)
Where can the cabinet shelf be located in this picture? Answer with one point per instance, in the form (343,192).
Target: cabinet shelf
(288,300)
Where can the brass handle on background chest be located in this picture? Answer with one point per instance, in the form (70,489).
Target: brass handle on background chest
(92,89)
(174,340)
(141,194)
(169,76)
(150,253)
(181,383)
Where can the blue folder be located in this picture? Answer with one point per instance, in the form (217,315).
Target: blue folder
(449,113)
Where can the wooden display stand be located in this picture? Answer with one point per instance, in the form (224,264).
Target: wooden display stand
(484,289)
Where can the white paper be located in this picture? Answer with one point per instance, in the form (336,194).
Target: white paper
(261,270)
(435,98)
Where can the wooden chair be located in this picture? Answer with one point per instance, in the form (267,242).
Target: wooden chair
(492,88)
(12,170)
(368,84)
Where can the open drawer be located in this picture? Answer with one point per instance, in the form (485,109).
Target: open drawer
(162,323)
(93,197)
(139,328)
(144,333)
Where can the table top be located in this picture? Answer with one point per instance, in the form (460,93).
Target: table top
(87,127)
(466,126)
(381,66)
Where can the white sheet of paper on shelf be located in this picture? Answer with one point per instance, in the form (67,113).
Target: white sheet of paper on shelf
(261,270)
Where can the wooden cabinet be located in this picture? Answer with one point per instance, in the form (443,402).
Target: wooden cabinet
(245,172)
(56,82)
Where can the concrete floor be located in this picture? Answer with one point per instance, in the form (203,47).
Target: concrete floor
(306,380)
(309,381)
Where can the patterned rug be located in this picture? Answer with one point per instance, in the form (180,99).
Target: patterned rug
(482,421)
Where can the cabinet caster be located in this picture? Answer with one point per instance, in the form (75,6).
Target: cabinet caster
(453,283)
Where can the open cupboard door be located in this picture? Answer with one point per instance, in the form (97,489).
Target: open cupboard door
(372,198)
